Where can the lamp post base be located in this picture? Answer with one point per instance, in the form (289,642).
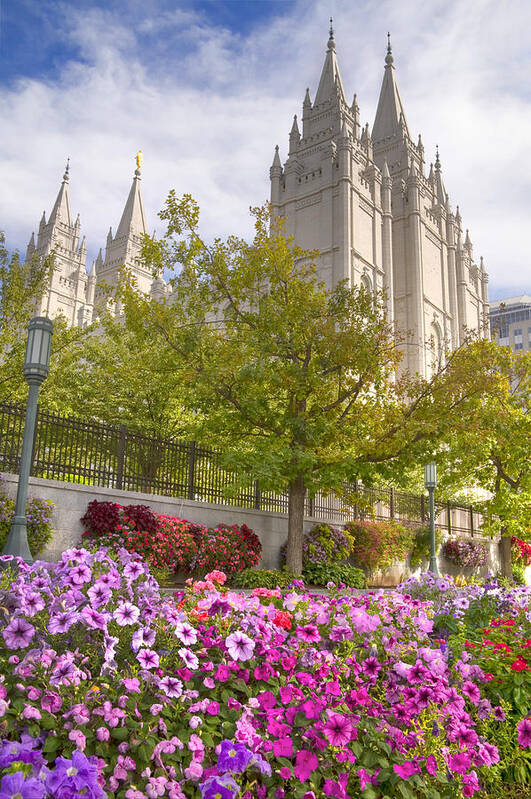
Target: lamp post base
(433,567)
(17,540)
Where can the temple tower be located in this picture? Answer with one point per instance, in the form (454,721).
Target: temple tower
(364,202)
(67,294)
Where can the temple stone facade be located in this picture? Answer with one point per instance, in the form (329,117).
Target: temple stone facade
(363,200)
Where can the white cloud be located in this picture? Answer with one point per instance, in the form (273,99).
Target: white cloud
(207,107)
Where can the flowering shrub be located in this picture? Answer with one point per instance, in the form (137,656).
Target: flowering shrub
(214,694)
(521,551)
(38,517)
(167,542)
(327,544)
(378,545)
(465,552)
(231,548)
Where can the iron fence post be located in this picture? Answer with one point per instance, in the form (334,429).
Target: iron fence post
(191,470)
(121,458)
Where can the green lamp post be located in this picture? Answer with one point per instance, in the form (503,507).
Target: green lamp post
(36,367)
(430,481)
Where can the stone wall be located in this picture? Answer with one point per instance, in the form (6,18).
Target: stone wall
(71,500)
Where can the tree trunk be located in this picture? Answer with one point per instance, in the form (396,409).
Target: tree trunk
(296,495)
(506,556)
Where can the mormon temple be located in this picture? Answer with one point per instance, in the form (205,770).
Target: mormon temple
(361,198)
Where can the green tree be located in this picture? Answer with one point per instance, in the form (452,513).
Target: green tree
(294,381)
(491,450)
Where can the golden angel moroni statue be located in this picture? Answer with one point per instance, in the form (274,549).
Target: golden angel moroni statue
(139,158)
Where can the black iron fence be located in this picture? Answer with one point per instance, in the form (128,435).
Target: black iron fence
(79,451)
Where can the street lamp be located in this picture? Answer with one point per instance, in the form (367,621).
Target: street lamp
(430,481)
(36,367)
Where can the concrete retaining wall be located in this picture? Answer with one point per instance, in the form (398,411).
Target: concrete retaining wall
(71,500)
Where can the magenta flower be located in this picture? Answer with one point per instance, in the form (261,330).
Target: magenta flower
(148,659)
(460,763)
(239,646)
(524,732)
(406,769)
(367,779)
(283,747)
(305,763)
(338,729)
(471,690)
(126,613)
(371,667)
(18,633)
(308,633)
(431,765)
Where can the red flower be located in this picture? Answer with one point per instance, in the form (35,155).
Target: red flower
(519,664)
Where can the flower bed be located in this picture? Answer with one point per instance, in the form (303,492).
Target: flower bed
(109,688)
(170,544)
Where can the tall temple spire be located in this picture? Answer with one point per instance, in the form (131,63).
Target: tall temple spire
(390,116)
(439,184)
(61,209)
(330,83)
(133,218)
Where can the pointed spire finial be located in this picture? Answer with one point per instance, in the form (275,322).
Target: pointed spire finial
(389,57)
(67,170)
(331,42)
(138,158)
(437,159)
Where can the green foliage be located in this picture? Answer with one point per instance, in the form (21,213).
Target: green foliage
(491,449)
(421,546)
(323,573)
(378,545)
(262,578)
(38,516)
(288,377)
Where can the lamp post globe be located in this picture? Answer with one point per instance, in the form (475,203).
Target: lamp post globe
(36,368)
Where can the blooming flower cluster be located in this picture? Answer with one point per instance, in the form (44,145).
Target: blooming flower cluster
(167,542)
(211,693)
(465,552)
(38,517)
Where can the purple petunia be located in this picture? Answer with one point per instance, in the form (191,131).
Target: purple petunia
(233,757)
(308,633)
(18,633)
(239,646)
(126,613)
(524,732)
(16,786)
(172,687)
(148,659)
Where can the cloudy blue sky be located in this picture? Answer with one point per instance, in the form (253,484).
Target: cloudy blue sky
(207,88)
